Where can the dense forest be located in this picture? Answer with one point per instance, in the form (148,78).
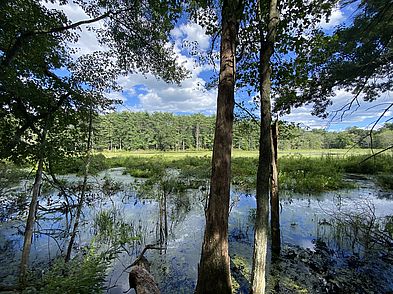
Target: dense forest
(167,131)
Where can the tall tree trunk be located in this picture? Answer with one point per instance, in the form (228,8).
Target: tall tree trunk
(31,220)
(274,197)
(258,282)
(83,191)
(214,269)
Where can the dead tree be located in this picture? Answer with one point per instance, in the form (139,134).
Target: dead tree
(140,277)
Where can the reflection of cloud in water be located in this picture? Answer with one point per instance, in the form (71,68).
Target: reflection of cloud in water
(177,267)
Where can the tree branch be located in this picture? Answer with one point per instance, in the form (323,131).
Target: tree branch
(375,154)
(10,55)
(252,116)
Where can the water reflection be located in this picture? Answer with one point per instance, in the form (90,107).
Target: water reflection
(304,219)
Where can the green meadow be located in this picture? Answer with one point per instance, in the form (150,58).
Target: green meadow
(242,153)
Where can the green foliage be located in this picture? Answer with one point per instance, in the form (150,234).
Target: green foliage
(385,181)
(144,168)
(382,163)
(76,165)
(300,173)
(196,167)
(83,275)
(111,229)
(310,175)
(104,224)
(168,132)
(350,59)
(244,171)
(158,131)
(10,176)
(42,114)
(241,273)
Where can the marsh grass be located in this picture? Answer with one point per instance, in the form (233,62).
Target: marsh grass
(302,171)
(297,173)
(385,181)
(311,175)
(76,165)
(357,164)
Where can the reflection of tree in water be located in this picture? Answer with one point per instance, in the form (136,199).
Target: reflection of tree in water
(172,192)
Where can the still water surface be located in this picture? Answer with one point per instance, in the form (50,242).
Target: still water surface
(304,218)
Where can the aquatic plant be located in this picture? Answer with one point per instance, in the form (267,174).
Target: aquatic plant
(382,163)
(310,175)
(85,274)
(357,229)
(76,165)
(111,229)
(385,181)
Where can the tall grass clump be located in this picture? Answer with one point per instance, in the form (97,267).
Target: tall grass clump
(76,165)
(310,175)
(385,181)
(382,163)
(143,167)
(381,166)
(244,172)
(198,167)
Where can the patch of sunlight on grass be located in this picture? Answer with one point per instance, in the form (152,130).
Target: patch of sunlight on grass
(236,153)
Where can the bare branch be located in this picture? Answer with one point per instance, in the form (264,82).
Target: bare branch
(252,116)
(373,155)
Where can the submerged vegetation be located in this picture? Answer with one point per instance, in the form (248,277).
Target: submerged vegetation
(166,179)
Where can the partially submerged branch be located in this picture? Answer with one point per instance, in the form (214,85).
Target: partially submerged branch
(140,277)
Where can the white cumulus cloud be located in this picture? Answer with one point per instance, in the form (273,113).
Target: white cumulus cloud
(335,19)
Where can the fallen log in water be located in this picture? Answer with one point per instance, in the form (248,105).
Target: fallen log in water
(140,277)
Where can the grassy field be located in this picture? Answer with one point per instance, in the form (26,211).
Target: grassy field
(242,153)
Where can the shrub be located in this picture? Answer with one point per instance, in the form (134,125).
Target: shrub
(83,275)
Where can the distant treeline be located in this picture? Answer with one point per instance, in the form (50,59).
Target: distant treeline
(166,131)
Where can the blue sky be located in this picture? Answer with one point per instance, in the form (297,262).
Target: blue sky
(147,93)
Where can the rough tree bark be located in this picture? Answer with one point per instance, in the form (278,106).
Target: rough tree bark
(140,277)
(214,268)
(258,283)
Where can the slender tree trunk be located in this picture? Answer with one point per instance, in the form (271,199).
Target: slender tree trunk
(258,282)
(30,221)
(83,191)
(214,269)
(274,197)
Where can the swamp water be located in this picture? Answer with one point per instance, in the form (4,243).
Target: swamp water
(304,219)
